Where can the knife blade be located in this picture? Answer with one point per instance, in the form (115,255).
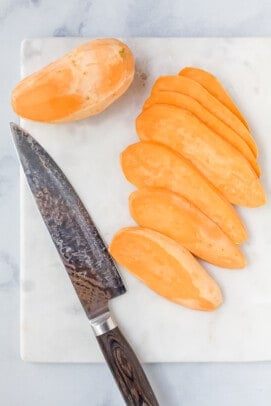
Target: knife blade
(88,263)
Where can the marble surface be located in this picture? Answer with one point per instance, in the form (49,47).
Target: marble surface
(177,384)
(53,325)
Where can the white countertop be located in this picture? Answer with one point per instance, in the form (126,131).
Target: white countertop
(56,385)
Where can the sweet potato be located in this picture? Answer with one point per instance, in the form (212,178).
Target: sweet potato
(212,84)
(215,124)
(166,267)
(172,215)
(191,88)
(215,158)
(82,83)
(151,164)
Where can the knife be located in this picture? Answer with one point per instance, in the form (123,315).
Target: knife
(90,267)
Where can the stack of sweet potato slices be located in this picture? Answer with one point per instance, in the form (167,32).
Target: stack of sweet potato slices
(195,159)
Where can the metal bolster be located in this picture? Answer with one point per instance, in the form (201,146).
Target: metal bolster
(102,324)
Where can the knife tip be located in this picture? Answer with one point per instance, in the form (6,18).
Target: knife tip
(12,125)
(15,129)
(18,133)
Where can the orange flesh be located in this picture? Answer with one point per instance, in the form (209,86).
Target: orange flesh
(47,100)
(175,217)
(191,88)
(151,164)
(212,84)
(166,267)
(52,110)
(215,124)
(215,158)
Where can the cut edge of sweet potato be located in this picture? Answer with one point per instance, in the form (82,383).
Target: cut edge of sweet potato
(218,161)
(215,124)
(170,214)
(215,87)
(192,88)
(152,164)
(166,267)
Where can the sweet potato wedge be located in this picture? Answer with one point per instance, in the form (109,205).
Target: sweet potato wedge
(166,267)
(191,88)
(215,158)
(213,85)
(152,164)
(170,214)
(82,83)
(209,119)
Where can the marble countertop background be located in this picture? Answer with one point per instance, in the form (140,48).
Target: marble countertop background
(83,385)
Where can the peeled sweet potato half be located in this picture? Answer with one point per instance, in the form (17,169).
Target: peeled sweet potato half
(215,158)
(170,214)
(82,83)
(191,88)
(152,164)
(209,119)
(213,85)
(166,267)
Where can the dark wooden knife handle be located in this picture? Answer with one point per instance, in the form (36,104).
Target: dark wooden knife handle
(126,369)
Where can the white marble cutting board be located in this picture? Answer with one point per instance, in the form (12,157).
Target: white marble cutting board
(53,325)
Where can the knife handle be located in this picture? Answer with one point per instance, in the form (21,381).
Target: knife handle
(126,369)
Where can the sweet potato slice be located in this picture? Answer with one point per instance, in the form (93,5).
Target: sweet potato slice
(213,85)
(172,215)
(215,124)
(153,164)
(215,158)
(191,88)
(166,267)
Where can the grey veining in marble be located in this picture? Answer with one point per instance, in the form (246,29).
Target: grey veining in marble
(182,384)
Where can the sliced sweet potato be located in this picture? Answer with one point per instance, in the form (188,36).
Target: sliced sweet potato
(172,215)
(213,85)
(82,83)
(166,267)
(191,88)
(215,158)
(151,164)
(215,124)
